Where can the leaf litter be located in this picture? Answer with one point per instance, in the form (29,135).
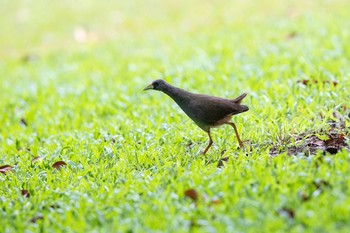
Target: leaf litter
(331,140)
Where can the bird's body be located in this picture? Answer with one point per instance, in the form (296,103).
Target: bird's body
(206,111)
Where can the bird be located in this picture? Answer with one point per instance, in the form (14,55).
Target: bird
(205,110)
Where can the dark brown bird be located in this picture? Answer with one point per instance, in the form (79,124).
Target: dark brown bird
(206,111)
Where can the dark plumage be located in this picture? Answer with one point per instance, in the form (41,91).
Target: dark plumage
(206,111)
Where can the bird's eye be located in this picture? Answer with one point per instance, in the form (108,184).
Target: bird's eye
(155,84)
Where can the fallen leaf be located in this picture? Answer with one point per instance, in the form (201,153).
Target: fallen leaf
(192,194)
(321,184)
(308,82)
(35,219)
(5,168)
(25,193)
(305,81)
(314,141)
(287,212)
(36,159)
(59,164)
(222,161)
(189,144)
(23,122)
(332,150)
(335,143)
(292,35)
(216,201)
(338,116)
(332,82)
(54,206)
(304,197)
(223,152)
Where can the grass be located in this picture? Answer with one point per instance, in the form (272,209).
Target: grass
(71,81)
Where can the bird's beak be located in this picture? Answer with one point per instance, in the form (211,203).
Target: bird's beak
(149,87)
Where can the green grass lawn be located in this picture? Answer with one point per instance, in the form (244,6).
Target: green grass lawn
(71,80)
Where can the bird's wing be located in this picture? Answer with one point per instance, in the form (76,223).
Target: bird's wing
(209,110)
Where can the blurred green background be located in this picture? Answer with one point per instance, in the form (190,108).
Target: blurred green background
(71,80)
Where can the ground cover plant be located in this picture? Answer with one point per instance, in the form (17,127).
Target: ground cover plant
(84,149)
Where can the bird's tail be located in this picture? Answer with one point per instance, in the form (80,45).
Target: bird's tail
(239,99)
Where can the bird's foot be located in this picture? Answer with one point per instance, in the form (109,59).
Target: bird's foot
(241,143)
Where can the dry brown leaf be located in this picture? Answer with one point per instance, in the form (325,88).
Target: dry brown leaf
(308,82)
(216,202)
(287,212)
(292,35)
(35,219)
(189,144)
(5,168)
(332,150)
(37,159)
(54,206)
(23,122)
(222,161)
(192,194)
(321,184)
(25,193)
(59,164)
(304,197)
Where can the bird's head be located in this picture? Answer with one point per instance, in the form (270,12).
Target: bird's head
(159,85)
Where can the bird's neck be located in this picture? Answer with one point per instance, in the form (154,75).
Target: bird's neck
(179,95)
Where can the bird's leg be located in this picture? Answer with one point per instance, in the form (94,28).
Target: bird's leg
(210,143)
(239,139)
